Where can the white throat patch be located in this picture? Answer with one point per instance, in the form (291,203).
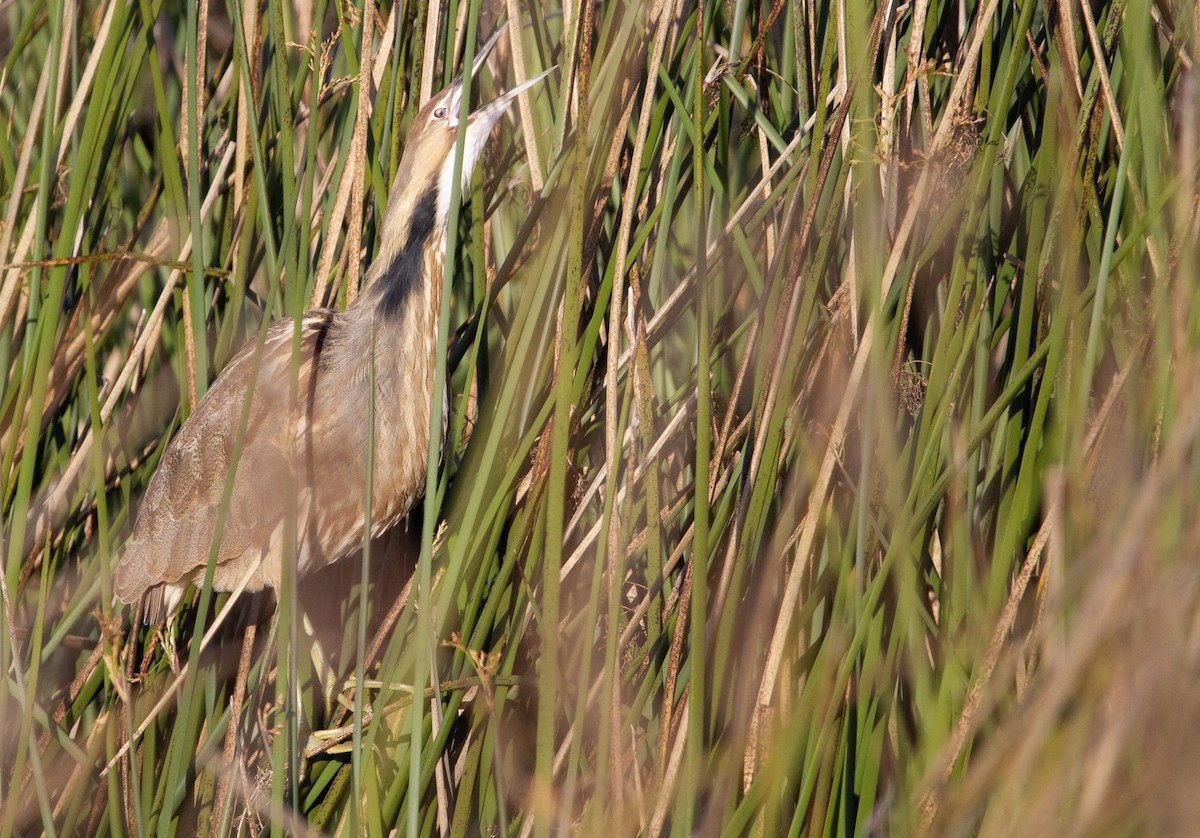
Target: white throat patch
(477,135)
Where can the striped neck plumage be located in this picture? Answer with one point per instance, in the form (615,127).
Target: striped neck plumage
(405,260)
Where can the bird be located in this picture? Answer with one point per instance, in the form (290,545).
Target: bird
(306,454)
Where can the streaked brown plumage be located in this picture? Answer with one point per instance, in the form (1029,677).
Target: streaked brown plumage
(315,449)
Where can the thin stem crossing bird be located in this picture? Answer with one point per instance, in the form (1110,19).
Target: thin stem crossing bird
(307,455)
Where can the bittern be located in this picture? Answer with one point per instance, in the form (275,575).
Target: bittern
(307,455)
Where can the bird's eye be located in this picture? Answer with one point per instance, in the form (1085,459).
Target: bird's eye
(440,113)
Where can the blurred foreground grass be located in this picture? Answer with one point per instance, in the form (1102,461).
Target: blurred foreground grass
(853,489)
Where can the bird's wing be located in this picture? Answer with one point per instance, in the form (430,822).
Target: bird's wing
(174,532)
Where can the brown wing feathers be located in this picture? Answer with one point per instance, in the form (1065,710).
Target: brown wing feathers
(172,538)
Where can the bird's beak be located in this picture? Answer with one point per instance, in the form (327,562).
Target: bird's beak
(482,119)
(485,50)
(456,87)
(480,123)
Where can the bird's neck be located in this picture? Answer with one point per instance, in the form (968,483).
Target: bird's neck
(397,312)
(405,281)
(412,248)
(400,305)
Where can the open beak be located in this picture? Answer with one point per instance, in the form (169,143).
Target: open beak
(485,50)
(482,119)
(480,123)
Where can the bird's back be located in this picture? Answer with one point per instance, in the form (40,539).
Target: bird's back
(277,469)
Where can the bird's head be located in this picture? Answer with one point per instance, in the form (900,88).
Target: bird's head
(425,179)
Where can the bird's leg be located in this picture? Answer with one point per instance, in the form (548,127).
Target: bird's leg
(168,631)
(127,659)
(168,696)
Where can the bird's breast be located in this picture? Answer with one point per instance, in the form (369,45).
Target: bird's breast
(404,391)
(388,342)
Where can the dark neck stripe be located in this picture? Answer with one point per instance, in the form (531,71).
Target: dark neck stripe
(402,276)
